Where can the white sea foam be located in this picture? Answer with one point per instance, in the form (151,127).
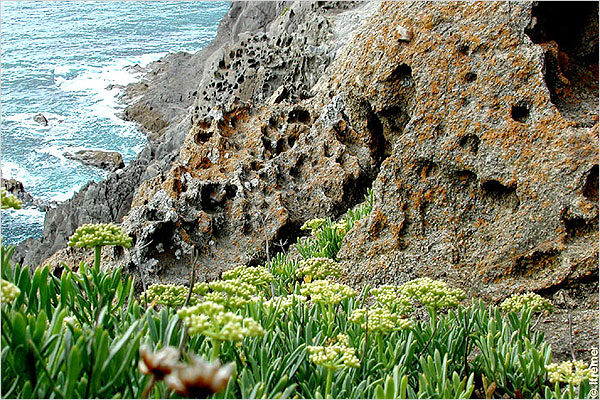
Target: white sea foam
(105,84)
(64,194)
(11,170)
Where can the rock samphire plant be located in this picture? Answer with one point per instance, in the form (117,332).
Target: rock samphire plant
(290,328)
(95,236)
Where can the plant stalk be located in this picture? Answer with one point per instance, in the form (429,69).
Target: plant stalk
(328,383)
(97,251)
(216,349)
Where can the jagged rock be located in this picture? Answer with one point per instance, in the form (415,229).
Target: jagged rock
(40,119)
(109,160)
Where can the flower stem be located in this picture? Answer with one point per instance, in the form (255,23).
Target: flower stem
(216,349)
(97,257)
(380,347)
(328,383)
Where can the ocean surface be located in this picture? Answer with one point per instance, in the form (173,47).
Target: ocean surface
(69,60)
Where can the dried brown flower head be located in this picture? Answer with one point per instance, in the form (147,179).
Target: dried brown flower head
(200,379)
(159,364)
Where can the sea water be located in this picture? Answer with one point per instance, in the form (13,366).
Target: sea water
(69,61)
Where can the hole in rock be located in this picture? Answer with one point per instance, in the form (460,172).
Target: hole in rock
(470,142)
(299,115)
(402,74)
(470,77)
(501,194)
(568,31)
(519,113)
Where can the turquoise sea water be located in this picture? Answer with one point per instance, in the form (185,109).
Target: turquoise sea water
(67,60)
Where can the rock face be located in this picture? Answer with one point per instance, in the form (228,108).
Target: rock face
(490,120)
(109,160)
(476,125)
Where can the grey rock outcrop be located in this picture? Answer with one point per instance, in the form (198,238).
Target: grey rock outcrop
(40,119)
(108,160)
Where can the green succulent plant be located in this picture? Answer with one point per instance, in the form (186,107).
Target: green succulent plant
(9,201)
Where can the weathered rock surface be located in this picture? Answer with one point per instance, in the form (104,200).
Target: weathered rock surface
(492,174)
(109,160)
(476,124)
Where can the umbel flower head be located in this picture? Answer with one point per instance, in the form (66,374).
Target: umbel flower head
(256,276)
(392,298)
(379,319)
(93,235)
(200,379)
(313,224)
(210,319)
(533,301)
(572,372)
(433,294)
(318,268)
(159,364)
(326,292)
(168,295)
(9,201)
(335,355)
(283,303)
(9,292)
(232,293)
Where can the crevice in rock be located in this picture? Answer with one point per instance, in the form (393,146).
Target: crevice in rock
(163,235)
(590,188)
(577,227)
(568,32)
(378,145)
(535,262)
(470,77)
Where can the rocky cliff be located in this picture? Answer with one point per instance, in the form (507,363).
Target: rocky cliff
(476,125)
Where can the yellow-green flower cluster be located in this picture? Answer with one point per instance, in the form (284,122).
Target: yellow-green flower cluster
(318,268)
(391,297)
(572,372)
(530,300)
(210,319)
(340,227)
(9,292)
(433,294)
(379,319)
(314,224)
(201,288)
(257,276)
(92,235)
(283,303)
(334,356)
(233,293)
(168,295)
(326,292)
(9,201)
